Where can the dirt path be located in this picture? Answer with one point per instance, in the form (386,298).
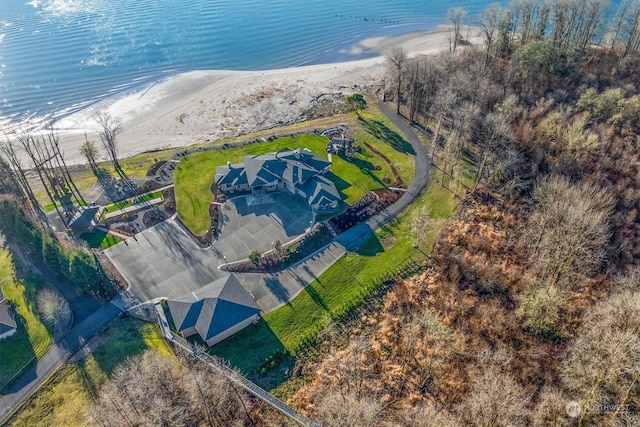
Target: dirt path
(82,305)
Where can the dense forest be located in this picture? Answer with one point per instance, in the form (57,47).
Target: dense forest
(530,314)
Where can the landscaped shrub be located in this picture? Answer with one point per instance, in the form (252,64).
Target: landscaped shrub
(254,256)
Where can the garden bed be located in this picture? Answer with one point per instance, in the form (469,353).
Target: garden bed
(370,204)
(153,169)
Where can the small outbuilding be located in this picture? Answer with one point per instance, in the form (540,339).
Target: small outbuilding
(215,311)
(85,219)
(8,324)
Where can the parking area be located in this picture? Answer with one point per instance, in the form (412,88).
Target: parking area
(256,222)
(163,261)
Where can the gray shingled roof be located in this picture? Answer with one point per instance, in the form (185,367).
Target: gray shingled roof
(319,190)
(7,321)
(213,308)
(232,174)
(295,166)
(263,169)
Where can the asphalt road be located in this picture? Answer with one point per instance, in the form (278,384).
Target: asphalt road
(58,353)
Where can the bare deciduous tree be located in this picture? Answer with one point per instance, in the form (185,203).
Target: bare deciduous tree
(603,364)
(495,399)
(632,31)
(152,389)
(54,308)
(569,228)
(90,152)
(630,280)
(427,344)
(109,129)
(397,58)
(551,409)
(349,410)
(456,16)
(428,415)
(8,149)
(490,22)
(527,16)
(420,223)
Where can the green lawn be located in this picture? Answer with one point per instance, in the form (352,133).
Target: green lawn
(353,178)
(65,396)
(50,207)
(377,130)
(130,202)
(33,338)
(343,285)
(99,239)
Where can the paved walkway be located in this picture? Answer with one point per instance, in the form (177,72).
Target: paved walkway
(58,353)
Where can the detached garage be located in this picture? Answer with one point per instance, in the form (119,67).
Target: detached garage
(215,311)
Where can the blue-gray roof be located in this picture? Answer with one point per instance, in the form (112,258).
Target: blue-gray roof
(7,321)
(296,166)
(232,175)
(319,191)
(214,308)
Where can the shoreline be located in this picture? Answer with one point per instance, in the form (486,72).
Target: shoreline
(205,105)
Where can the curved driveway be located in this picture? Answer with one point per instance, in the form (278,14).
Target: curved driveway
(354,237)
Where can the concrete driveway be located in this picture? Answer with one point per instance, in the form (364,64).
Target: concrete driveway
(255,223)
(164,261)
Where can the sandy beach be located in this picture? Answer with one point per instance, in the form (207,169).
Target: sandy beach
(207,105)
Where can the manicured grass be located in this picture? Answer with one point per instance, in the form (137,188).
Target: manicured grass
(99,239)
(33,338)
(68,393)
(49,207)
(387,138)
(195,174)
(343,284)
(136,167)
(130,202)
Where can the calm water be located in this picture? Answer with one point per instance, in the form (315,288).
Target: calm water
(62,55)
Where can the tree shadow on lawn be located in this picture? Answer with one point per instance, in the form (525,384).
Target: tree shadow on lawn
(382,132)
(365,166)
(258,353)
(17,354)
(371,247)
(124,339)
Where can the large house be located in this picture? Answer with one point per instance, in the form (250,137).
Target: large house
(215,311)
(298,171)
